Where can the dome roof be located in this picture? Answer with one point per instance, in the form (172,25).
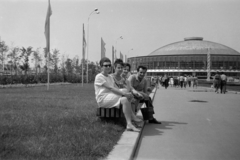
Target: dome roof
(194,45)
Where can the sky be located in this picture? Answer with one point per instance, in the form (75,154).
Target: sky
(145,25)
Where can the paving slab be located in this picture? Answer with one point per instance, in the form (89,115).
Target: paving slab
(126,146)
(196,125)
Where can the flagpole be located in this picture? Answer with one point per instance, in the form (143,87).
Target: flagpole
(82,55)
(96,12)
(48,47)
(82,71)
(48,55)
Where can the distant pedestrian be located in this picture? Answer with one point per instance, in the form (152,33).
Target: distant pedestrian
(181,79)
(223,82)
(175,82)
(189,80)
(217,81)
(195,81)
(166,80)
(185,81)
(171,82)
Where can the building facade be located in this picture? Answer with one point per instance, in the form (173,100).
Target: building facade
(193,56)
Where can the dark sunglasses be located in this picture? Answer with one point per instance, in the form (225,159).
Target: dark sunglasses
(107,65)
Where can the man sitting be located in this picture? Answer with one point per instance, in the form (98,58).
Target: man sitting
(139,85)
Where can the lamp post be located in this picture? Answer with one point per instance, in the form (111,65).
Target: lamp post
(96,12)
(116,45)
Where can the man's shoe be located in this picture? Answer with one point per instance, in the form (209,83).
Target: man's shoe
(154,121)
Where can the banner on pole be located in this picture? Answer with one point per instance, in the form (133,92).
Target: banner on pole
(103,50)
(47,26)
(112,54)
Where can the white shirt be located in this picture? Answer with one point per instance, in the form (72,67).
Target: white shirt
(100,91)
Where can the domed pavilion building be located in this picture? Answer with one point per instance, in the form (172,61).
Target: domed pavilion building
(193,56)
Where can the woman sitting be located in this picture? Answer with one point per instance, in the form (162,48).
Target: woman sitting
(108,96)
(119,81)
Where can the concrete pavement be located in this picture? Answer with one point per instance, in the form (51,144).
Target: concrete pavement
(196,125)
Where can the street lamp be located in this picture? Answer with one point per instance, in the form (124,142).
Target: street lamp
(93,12)
(130,50)
(116,44)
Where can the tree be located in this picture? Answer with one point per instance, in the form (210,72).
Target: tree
(75,64)
(69,66)
(3,49)
(14,59)
(25,59)
(55,60)
(37,59)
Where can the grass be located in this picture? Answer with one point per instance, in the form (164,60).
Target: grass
(57,124)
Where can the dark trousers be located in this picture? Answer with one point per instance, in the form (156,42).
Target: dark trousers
(189,83)
(181,84)
(223,86)
(147,102)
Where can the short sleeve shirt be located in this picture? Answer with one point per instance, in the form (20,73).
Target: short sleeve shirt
(223,77)
(100,91)
(137,84)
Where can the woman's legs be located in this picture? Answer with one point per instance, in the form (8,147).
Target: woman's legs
(127,110)
(129,115)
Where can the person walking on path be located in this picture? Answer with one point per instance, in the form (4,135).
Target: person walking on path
(139,83)
(217,81)
(166,81)
(185,81)
(171,82)
(223,82)
(189,80)
(181,79)
(195,81)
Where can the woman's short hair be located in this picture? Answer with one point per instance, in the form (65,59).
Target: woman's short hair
(143,67)
(118,61)
(127,65)
(104,59)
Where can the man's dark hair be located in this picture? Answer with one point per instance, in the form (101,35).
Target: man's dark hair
(143,67)
(104,59)
(222,72)
(118,61)
(127,64)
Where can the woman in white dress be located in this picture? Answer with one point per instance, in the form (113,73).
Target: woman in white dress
(108,96)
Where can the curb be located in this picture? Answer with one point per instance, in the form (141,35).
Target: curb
(127,145)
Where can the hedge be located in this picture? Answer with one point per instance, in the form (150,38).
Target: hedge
(42,78)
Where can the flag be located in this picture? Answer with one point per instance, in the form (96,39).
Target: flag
(103,50)
(115,56)
(125,58)
(112,54)
(47,26)
(47,35)
(121,56)
(84,44)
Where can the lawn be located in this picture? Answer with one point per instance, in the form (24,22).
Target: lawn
(57,124)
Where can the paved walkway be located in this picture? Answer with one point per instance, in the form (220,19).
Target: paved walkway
(195,125)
